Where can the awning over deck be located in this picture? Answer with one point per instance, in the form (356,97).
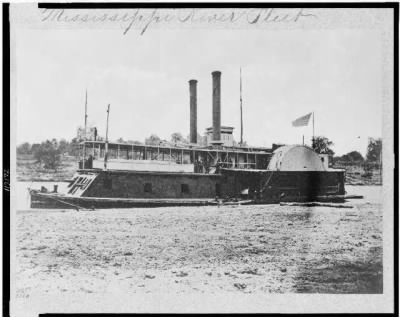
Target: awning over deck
(228,157)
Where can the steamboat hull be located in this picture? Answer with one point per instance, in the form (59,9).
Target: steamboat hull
(53,201)
(92,189)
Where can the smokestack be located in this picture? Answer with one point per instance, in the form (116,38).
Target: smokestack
(216,87)
(193,110)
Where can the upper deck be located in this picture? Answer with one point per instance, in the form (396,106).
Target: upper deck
(202,159)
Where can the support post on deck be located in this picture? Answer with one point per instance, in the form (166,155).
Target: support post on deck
(106,145)
(84,135)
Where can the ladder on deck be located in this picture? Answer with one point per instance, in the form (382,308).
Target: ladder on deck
(80,183)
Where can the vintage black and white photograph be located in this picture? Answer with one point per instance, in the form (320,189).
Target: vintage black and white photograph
(201,159)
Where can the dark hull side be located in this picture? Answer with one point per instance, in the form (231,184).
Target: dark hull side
(266,186)
(155,185)
(127,189)
(54,201)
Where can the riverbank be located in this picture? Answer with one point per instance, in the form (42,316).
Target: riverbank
(358,174)
(195,250)
(29,170)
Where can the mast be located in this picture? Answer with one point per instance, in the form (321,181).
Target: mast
(313,131)
(106,146)
(380,163)
(84,134)
(241,110)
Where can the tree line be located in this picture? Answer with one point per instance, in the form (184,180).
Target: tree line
(323,145)
(50,152)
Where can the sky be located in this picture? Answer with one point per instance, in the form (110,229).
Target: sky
(335,73)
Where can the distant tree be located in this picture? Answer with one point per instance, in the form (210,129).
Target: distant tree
(374,150)
(24,148)
(352,156)
(120,140)
(178,138)
(201,140)
(336,159)
(74,147)
(165,143)
(152,140)
(64,146)
(48,153)
(322,145)
(34,148)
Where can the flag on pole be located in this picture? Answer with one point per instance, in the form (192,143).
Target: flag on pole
(302,121)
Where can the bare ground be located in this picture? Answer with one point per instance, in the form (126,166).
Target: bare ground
(248,249)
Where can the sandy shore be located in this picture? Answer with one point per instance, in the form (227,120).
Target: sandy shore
(295,249)
(238,249)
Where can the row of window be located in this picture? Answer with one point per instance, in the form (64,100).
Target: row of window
(147,187)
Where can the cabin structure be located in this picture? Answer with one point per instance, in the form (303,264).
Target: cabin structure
(164,158)
(226,136)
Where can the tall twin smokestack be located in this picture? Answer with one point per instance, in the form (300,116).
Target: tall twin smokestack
(216,103)
(193,110)
(216,107)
